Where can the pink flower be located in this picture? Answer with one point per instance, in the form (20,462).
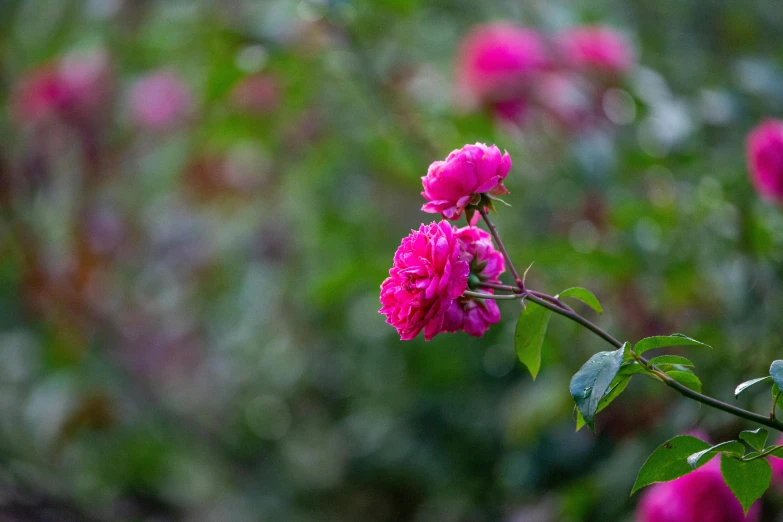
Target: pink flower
(74,88)
(595,47)
(475,316)
(452,185)
(765,159)
(159,101)
(427,276)
(700,496)
(495,64)
(257,94)
(777,467)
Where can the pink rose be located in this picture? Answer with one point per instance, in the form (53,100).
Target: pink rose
(475,316)
(159,101)
(495,64)
(765,159)
(452,185)
(427,276)
(700,496)
(594,47)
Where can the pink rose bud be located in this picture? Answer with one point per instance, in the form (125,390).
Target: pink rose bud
(594,47)
(159,101)
(475,316)
(699,496)
(427,276)
(765,159)
(495,64)
(451,185)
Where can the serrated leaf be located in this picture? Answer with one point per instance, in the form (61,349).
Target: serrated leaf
(776,372)
(618,386)
(670,359)
(591,382)
(584,295)
(747,480)
(756,439)
(733,447)
(529,336)
(669,461)
(686,378)
(747,384)
(663,341)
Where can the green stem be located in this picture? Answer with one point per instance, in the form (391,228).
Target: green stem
(482,295)
(668,381)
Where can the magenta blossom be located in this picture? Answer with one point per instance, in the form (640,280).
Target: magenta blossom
(595,47)
(467,173)
(700,496)
(777,467)
(427,276)
(475,316)
(765,159)
(159,101)
(495,65)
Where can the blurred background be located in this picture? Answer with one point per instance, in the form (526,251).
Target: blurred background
(200,200)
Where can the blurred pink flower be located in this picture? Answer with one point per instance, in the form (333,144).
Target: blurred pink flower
(495,64)
(257,94)
(427,276)
(765,159)
(700,496)
(475,316)
(777,467)
(595,47)
(75,86)
(159,101)
(450,185)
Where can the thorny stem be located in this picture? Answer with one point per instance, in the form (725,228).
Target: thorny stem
(551,303)
(482,295)
(494,232)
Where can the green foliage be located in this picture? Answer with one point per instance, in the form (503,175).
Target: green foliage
(686,378)
(584,295)
(756,439)
(669,461)
(594,380)
(663,360)
(529,336)
(776,372)
(748,480)
(619,383)
(747,384)
(650,343)
(732,447)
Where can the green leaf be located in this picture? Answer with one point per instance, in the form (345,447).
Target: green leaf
(748,480)
(747,384)
(591,382)
(670,359)
(529,336)
(584,295)
(669,461)
(776,395)
(663,341)
(618,386)
(686,378)
(757,439)
(629,368)
(776,371)
(733,447)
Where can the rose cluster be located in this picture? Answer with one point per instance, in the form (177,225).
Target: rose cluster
(436,264)
(515,71)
